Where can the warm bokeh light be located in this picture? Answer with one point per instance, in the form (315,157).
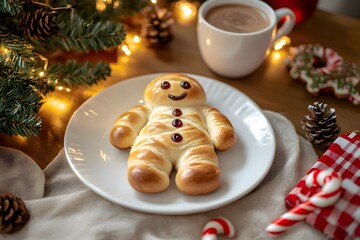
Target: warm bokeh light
(126,50)
(3,49)
(100,5)
(153,1)
(61,88)
(21,139)
(277,57)
(57,104)
(283,41)
(185,11)
(131,43)
(116,4)
(41,74)
(5,52)
(57,107)
(136,39)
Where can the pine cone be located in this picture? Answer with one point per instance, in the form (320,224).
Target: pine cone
(13,213)
(320,126)
(40,24)
(156,29)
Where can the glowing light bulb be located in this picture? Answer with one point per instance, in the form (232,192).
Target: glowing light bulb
(41,74)
(57,104)
(186,11)
(136,39)
(283,41)
(153,1)
(21,139)
(100,5)
(126,50)
(116,4)
(276,56)
(3,49)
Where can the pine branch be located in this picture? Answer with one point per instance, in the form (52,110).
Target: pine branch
(22,92)
(12,7)
(16,52)
(79,35)
(21,97)
(125,9)
(22,83)
(73,73)
(29,126)
(61,3)
(86,9)
(114,9)
(19,105)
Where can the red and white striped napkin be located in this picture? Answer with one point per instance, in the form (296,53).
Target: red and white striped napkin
(342,220)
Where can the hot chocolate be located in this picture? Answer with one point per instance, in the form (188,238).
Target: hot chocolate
(237,18)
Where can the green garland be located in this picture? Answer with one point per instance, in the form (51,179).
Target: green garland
(24,81)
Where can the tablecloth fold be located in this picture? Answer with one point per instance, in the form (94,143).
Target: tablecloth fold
(20,175)
(69,210)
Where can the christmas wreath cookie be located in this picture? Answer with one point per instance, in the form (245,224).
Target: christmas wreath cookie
(324,70)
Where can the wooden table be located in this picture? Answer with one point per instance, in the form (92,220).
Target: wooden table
(271,86)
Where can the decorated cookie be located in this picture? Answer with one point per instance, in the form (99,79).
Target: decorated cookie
(173,129)
(324,70)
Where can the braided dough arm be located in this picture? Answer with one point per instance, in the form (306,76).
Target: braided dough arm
(220,129)
(128,125)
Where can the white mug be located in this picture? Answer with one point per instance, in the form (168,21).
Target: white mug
(236,55)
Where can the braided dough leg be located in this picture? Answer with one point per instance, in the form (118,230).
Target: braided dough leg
(198,171)
(148,167)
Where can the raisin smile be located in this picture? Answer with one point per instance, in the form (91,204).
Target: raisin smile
(176,98)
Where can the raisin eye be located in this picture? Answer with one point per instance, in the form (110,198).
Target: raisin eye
(165,85)
(185,85)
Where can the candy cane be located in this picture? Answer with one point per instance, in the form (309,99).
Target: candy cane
(330,184)
(217,226)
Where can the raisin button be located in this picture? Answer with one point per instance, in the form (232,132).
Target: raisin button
(177,112)
(177,123)
(176,137)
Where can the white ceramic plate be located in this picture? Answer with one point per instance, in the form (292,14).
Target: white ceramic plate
(103,168)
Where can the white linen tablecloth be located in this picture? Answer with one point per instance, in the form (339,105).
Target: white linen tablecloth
(61,207)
